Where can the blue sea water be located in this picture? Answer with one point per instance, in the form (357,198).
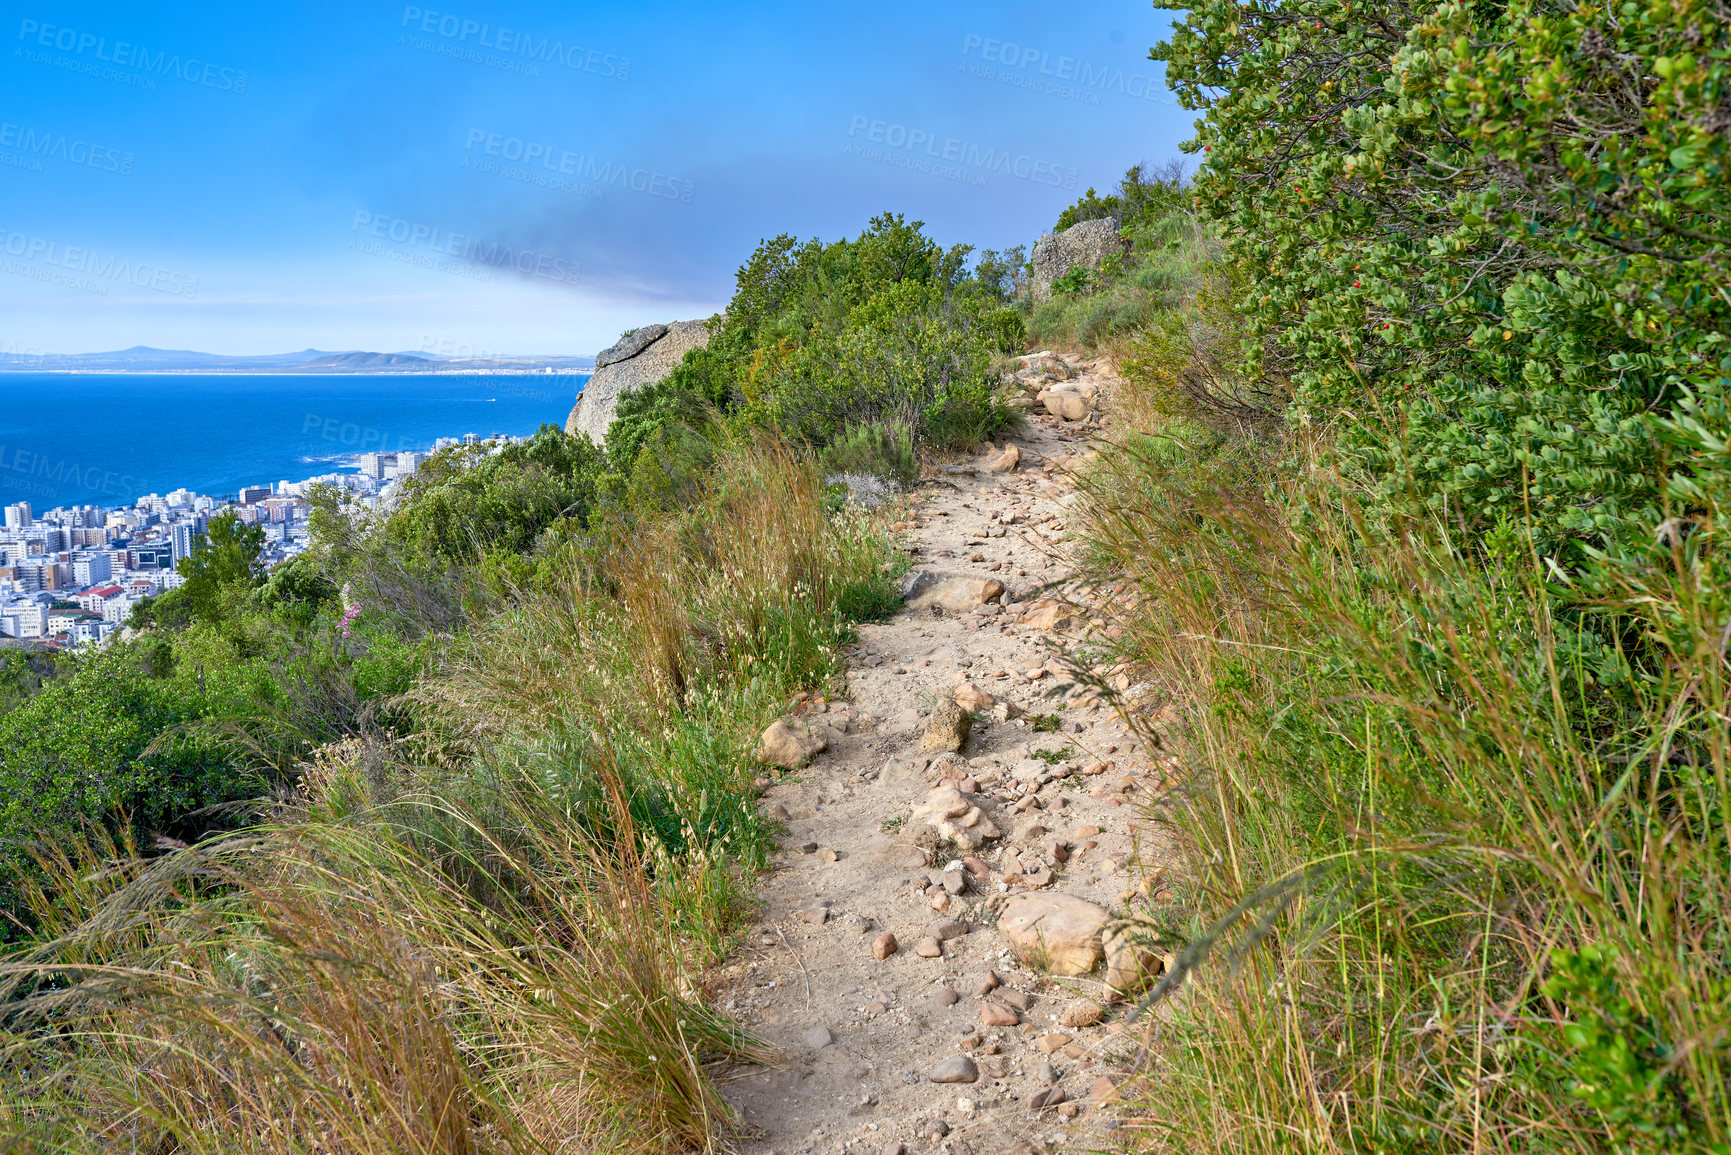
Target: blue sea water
(108,438)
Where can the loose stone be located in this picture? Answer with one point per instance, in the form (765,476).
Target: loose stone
(1082,1015)
(956,1069)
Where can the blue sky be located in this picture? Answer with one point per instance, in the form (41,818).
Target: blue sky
(520,177)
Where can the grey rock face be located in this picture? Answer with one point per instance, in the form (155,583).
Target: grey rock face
(1084,244)
(651,361)
(630,345)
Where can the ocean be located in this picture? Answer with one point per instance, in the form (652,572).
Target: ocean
(108,438)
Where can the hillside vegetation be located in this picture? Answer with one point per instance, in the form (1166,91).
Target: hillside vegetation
(424,841)
(1419,469)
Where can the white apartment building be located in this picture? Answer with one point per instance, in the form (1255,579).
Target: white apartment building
(92,601)
(92,569)
(87,632)
(118,608)
(26,619)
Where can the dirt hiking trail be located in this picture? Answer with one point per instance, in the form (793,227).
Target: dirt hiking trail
(948,1043)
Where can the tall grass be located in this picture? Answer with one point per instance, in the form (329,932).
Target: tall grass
(327,987)
(483,935)
(1462,875)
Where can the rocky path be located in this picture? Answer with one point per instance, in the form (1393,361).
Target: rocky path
(925,899)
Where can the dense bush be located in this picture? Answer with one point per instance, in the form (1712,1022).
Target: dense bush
(480,926)
(885,329)
(1142,197)
(107,741)
(467,500)
(1488,242)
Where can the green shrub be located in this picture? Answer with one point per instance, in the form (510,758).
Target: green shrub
(1501,301)
(886,329)
(878,450)
(106,744)
(1431,853)
(1141,196)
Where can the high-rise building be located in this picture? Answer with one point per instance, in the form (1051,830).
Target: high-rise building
(92,569)
(252,493)
(373,465)
(18,516)
(182,537)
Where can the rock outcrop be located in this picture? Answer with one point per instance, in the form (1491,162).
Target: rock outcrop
(1083,245)
(643,358)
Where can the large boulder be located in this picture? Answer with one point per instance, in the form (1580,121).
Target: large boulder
(791,742)
(1085,244)
(1056,933)
(643,358)
(630,345)
(958,593)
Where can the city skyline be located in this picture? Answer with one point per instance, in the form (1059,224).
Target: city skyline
(107,559)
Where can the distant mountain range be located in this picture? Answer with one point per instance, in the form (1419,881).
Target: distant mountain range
(144,359)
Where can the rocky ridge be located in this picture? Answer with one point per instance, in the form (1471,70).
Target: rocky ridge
(641,357)
(942,952)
